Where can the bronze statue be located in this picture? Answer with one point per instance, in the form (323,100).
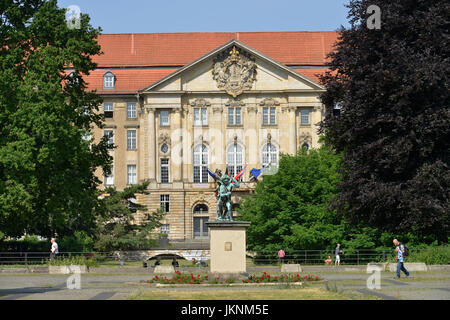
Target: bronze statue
(223,194)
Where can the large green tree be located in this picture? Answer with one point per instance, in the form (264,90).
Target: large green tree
(47,181)
(117,228)
(290,209)
(393,86)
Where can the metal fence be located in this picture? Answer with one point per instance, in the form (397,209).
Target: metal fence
(318,257)
(42,258)
(305,257)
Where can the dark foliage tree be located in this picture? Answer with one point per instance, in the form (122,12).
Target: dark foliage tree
(117,229)
(47,181)
(394,125)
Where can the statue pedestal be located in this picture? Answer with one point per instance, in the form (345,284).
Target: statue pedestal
(228,247)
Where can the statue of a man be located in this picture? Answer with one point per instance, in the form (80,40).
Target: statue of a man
(226,185)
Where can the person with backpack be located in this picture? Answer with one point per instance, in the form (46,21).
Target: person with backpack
(402,251)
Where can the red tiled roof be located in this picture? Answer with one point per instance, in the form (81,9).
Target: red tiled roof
(174,50)
(128,80)
(312,74)
(178,49)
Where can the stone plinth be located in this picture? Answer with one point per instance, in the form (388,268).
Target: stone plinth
(291,268)
(164,269)
(228,247)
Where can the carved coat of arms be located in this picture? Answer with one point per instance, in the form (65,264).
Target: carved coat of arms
(235,72)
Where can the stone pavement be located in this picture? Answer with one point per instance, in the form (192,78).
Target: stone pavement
(421,286)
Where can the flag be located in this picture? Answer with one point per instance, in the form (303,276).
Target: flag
(213,175)
(239,174)
(257,172)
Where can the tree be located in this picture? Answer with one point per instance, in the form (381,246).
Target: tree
(289,209)
(47,181)
(394,124)
(117,228)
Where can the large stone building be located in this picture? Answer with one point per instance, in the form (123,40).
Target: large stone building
(177,105)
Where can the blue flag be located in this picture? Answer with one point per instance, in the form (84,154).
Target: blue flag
(213,175)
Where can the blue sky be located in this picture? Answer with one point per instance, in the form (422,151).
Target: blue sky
(149,16)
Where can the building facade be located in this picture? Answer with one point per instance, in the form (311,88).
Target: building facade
(227,101)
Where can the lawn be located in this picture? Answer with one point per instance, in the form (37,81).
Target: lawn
(239,294)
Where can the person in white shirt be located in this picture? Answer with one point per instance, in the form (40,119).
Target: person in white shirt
(54,248)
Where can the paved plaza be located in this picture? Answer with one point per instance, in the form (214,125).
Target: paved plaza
(121,286)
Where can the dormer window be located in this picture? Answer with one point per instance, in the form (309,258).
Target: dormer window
(109,80)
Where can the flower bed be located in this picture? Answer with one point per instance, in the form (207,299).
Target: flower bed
(180,278)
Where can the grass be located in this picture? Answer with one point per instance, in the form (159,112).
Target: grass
(249,294)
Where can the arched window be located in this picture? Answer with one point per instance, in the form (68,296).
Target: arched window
(199,221)
(269,155)
(109,80)
(201,209)
(234,159)
(201,164)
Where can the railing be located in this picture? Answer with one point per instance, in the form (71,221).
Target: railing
(305,257)
(318,257)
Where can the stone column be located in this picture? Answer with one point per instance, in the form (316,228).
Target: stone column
(292,129)
(176,148)
(151,144)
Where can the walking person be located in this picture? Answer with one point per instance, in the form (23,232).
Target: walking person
(337,253)
(400,250)
(54,249)
(281,255)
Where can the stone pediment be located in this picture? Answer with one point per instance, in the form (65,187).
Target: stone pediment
(233,68)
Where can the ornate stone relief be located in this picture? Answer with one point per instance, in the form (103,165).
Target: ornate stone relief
(164,138)
(200,103)
(234,71)
(235,103)
(269,102)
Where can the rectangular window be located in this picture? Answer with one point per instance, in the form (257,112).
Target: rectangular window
(164,170)
(164,118)
(131,140)
(165,202)
(131,174)
(108,82)
(165,228)
(200,116)
(234,116)
(269,116)
(109,110)
(304,116)
(110,135)
(131,111)
(109,180)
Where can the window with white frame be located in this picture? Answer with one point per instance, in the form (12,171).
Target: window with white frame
(234,116)
(165,202)
(164,118)
(304,116)
(269,155)
(109,110)
(109,179)
(131,174)
(200,116)
(235,160)
(164,170)
(269,116)
(165,229)
(110,135)
(131,140)
(109,80)
(201,164)
(131,111)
